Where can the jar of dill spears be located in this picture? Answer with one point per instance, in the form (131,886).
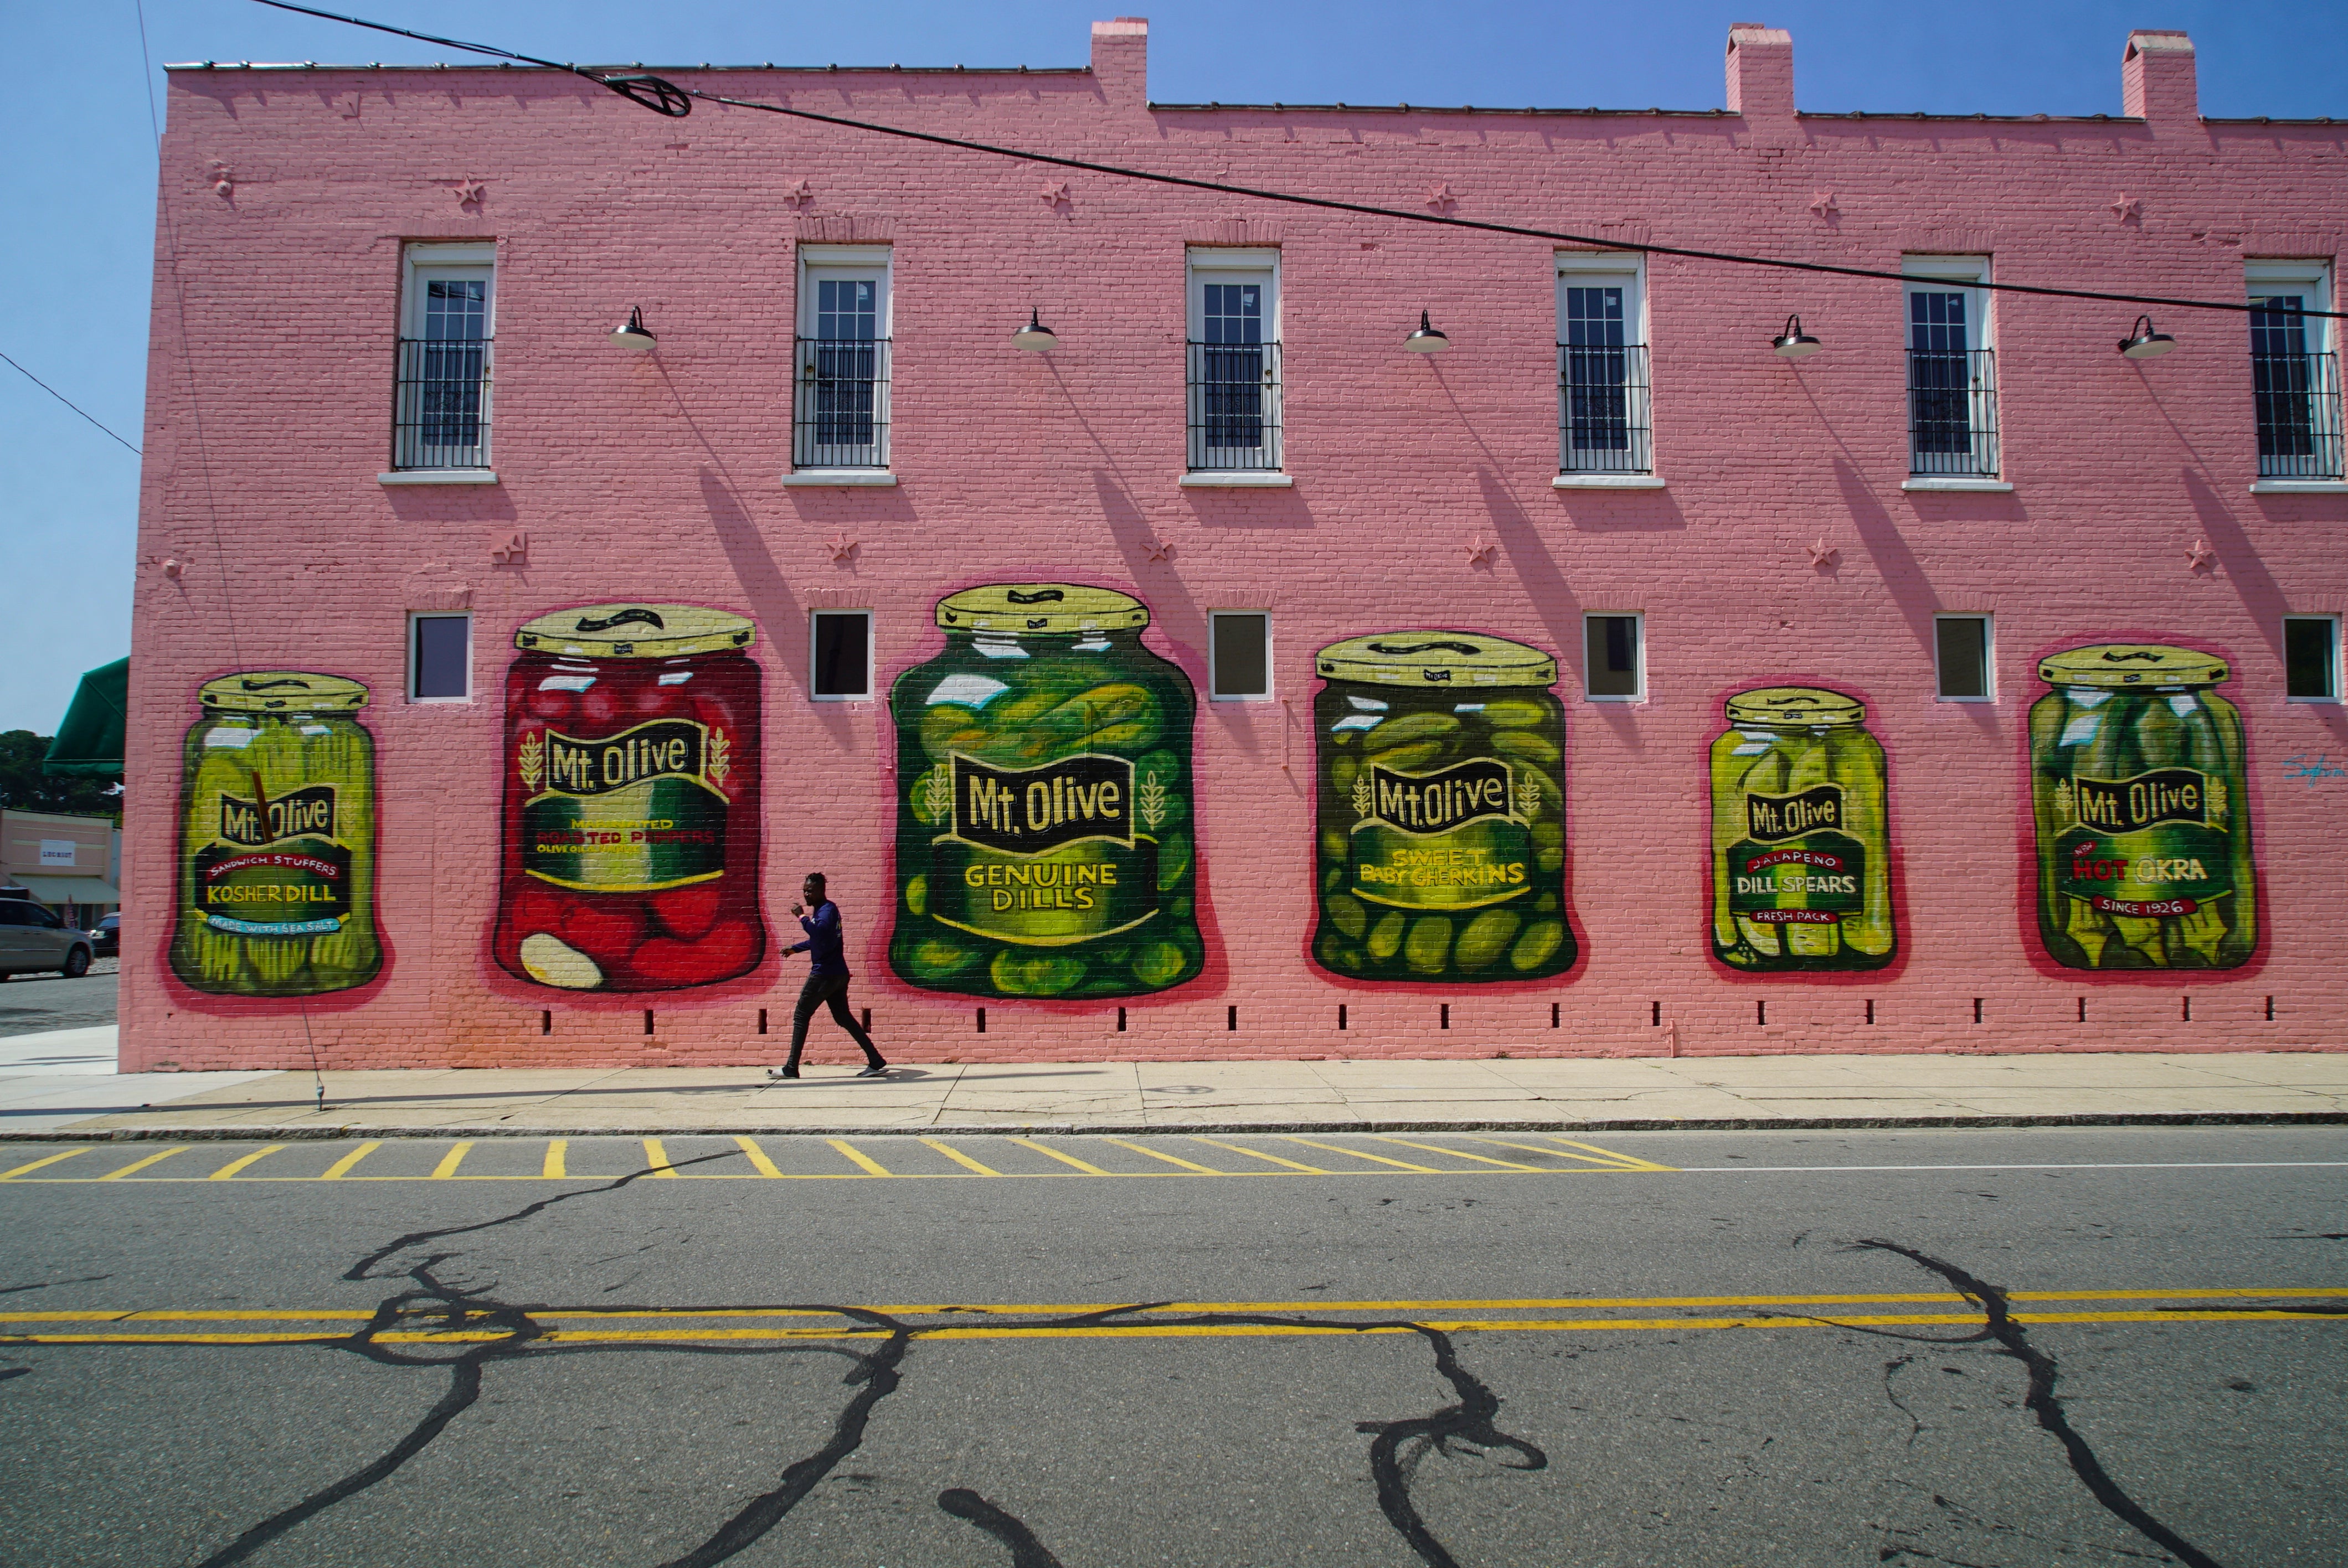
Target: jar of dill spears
(276,880)
(1044,822)
(2143,811)
(1801,862)
(1441,805)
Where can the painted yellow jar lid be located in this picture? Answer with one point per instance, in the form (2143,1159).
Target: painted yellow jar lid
(1436,658)
(281,691)
(1015,607)
(635,631)
(2132,664)
(1801,706)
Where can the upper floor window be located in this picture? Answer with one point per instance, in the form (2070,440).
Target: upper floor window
(1951,369)
(2294,371)
(1234,353)
(440,658)
(440,397)
(840,411)
(1603,392)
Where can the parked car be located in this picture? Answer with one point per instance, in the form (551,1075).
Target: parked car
(106,937)
(32,939)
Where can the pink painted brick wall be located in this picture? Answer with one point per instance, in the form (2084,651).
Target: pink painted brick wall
(288,195)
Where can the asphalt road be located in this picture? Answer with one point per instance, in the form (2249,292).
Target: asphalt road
(32,1004)
(1704,1350)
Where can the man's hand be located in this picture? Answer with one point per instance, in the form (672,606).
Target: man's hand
(799,908)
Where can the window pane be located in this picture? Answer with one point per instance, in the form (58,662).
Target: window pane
(1240,665)
(841,646)
(1964,655)
(1611,642)
(1936,323)
(2310,648)
(443,655)
(847,309)
(457,308)
(1234,314)
(1593,318)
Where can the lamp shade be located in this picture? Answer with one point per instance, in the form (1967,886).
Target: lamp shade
(1794,343)
(631,333)
(1426,340)
(1035,336)
(2143,343)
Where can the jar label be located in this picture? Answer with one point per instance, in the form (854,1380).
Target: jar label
(276,869)
(2145,846)
(1042,857)
(631,812)
(1026,811)
(1456,838)
(1775,818)
(1816,882)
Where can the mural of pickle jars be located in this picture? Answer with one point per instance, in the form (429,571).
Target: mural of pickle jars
(2142,809)
(1441,810)
(1045,836)
(631,852)
(1801,843)
(277,839)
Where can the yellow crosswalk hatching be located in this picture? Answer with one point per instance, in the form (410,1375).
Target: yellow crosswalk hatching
(880,1156)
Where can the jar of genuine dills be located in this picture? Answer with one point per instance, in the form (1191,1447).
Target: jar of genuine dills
(2143,811)
(1044,824)
(277,839)
(1441,805)
(1801,864)
(631,852)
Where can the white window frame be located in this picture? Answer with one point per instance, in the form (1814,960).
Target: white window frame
(420,264)
(1214,662)
(415,617)
(2310,276)
(2333,698)
(1628,270)
(1638,619)
(1204,264)
(1933,274)
(815,647)
(1989,656)
(840,263)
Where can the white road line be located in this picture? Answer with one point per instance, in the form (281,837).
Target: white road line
(2170,1165)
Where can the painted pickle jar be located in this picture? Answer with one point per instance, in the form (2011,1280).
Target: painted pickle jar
(1044,825)
(1801,842)
(2143,811)
(1441,810)
(632,824)
(276,881)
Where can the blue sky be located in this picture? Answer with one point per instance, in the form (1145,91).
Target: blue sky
(76,260)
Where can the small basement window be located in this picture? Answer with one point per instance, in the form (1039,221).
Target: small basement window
(2310,657)
(1616,669)
(1240,656)
(440,658)
(840,663)
(1961,651)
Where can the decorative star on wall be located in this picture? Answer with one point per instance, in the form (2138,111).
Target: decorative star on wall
(469,194)
(1443,198)
(1823,204)
(1158,549)
(799,194)
(1822,554)
(841,546)
(1480,551)
(2202,556)
(1055,195)
(2126,207)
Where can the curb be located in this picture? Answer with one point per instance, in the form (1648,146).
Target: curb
(249,1133)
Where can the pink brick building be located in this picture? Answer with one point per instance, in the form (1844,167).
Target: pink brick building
(839,577)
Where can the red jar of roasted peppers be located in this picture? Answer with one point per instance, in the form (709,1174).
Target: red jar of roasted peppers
(631,852)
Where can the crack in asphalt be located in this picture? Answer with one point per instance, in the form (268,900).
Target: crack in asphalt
(1890,1369)
(1026,1552)
(46,1284)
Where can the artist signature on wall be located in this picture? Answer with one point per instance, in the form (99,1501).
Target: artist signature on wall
(2313,768)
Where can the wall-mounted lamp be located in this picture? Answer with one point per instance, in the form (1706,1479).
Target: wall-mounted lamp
(1794,343)
(1035,336)
(2144,342)
(1426,340)
(631,333)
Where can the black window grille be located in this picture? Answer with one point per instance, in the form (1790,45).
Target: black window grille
(840,417)
(440,404)
(2297,394)
(1234,405)
(1602,409)
(1952,413)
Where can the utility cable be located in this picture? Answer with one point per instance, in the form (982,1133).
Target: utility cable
(68,402)
(666,98)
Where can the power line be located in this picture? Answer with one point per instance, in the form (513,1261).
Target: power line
(68,402)
(667,98)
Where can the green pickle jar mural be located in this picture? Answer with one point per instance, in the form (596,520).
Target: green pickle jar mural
(2143,811)
(1441,807)
(276,878)
(1045,836)
(1801,861)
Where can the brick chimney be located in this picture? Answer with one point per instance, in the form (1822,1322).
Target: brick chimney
(1761,73)
(1121,61)
(2156,78)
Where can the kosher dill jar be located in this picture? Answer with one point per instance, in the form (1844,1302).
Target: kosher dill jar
(2143,811)
(1044,815)
(277,839)
(630,860)
(1441,810)
(1801,863)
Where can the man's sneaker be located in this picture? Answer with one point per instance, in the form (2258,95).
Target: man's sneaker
(775,1074)
(878,1070)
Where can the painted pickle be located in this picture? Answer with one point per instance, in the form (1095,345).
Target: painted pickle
(632,824)
(277,839)
(1045,841)
(1801,861)
(1441,810)
(2142,808)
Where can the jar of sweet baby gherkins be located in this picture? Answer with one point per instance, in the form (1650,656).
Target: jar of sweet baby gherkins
(2143,811)
(277,883)
(1045,840)
(1801,866)
(1441,803)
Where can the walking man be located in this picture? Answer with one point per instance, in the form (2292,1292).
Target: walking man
(827,981)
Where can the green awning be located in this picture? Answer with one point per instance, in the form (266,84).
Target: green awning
(89,742)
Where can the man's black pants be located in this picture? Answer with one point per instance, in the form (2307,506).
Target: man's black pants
(818,990)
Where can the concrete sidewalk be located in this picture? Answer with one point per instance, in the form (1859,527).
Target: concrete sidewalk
(1563,1094)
